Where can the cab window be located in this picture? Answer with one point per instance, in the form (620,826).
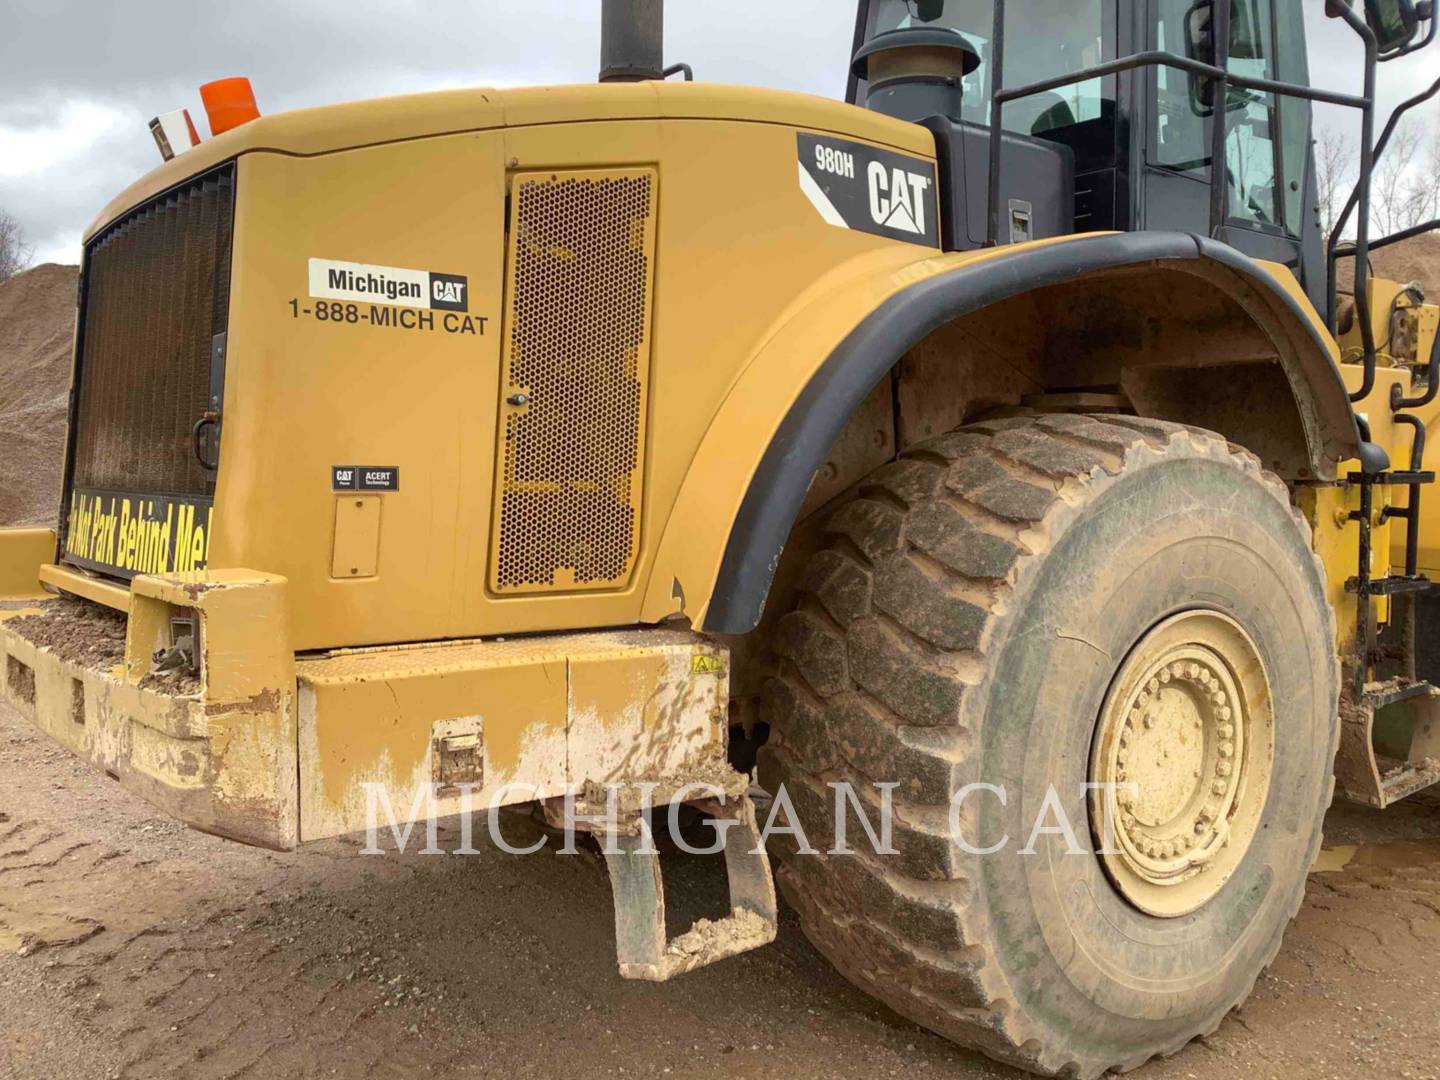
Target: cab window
(1255,158)
(1042,39)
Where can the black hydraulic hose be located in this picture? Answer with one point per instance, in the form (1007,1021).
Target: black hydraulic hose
(1432,385)
(1412,512)
(1417,445)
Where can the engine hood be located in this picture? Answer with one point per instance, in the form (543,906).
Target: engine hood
(332,128)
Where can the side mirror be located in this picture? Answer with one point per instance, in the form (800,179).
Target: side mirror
(1200,45)
(1395,23)
(1246,43)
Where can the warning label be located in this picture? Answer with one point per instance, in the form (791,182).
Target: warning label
(137,534)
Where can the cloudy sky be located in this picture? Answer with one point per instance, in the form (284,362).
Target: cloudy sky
(79,79)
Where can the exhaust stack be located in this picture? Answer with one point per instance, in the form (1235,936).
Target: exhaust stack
(632,40)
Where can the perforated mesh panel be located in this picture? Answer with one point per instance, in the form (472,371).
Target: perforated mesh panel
(577,347)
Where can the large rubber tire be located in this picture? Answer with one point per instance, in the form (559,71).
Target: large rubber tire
(973,605)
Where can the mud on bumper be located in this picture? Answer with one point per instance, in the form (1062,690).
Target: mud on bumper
(215,750)
(245,740)
(273,749)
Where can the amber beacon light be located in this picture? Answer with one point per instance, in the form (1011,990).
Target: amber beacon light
(228,104)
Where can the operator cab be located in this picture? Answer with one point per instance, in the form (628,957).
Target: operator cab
(1139,140)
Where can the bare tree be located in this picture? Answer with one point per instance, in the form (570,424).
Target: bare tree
(1334,168)
(1431,175)
(1400,195)
(14,252)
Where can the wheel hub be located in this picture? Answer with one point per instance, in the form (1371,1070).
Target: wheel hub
(1181,762)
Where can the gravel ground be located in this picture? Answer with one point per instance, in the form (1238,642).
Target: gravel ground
(132,947)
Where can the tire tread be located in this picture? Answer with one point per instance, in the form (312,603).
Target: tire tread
(913,590)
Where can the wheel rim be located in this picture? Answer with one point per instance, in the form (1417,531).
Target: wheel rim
(1181,764)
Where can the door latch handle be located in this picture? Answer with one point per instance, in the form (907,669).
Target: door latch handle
(197,438)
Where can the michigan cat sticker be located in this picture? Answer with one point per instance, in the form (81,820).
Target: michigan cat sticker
(855,186)
(331,279)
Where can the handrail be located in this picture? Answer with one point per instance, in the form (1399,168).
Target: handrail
(1000,97)
(1165,58)
(1220,117)
(1362,193)
(1336,249)
(1344,251)
(1221,78)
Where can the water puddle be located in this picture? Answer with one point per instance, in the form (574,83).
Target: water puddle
(1394,855)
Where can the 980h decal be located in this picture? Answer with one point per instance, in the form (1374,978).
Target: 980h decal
(855,186)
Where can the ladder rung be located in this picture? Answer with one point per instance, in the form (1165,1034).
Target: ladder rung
(1390,586)
(1392,479)
(1378,699)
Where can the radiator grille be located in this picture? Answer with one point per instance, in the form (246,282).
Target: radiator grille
(577,347)
(157,292)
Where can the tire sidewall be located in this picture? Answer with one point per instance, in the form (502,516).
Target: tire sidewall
(1175,533)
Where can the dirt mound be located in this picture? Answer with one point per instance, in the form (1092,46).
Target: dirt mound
(1417,259)
(37,322)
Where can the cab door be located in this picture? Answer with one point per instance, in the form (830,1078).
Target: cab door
(1267,159)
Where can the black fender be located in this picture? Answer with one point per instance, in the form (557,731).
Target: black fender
(778,487)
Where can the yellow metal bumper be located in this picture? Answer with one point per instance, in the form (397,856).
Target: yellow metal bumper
(215,750)
(275,750)
(501,722)
(22,553)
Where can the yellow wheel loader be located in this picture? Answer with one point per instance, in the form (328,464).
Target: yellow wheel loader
(987,469)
